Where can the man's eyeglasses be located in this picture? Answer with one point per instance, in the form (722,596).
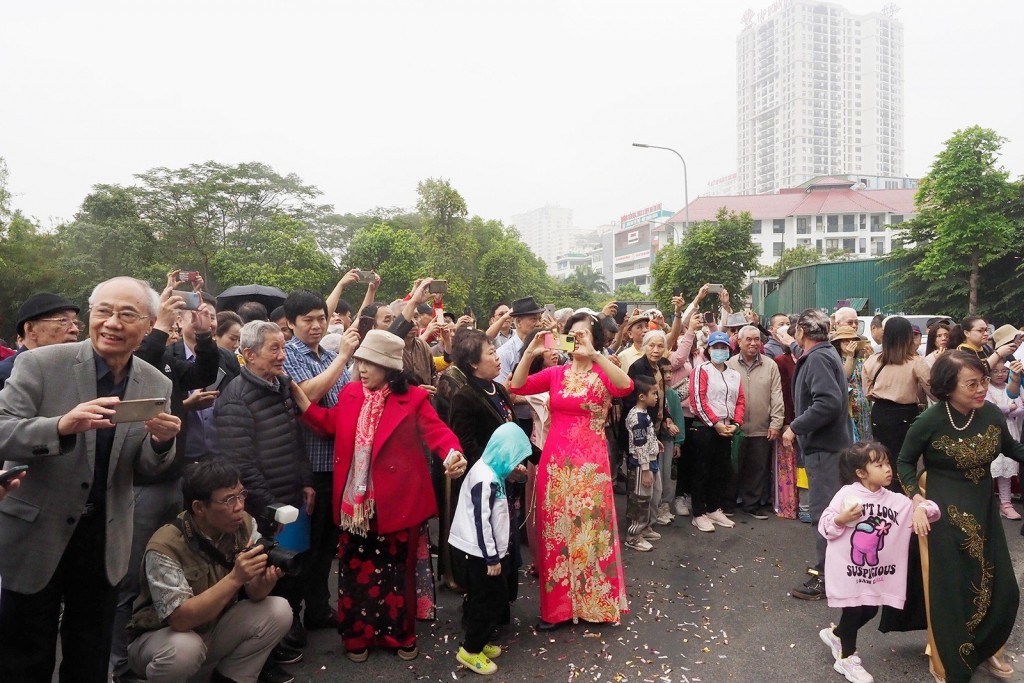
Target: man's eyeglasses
(101,313)
(232,501)
(64,322)
(975,384)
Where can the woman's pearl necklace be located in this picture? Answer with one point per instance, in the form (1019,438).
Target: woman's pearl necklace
(949,414)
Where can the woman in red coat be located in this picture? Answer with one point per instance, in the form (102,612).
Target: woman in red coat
(382,494)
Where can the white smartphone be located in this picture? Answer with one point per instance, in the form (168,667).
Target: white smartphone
(138,411)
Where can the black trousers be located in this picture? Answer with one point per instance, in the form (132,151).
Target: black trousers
(754,463)
(852,620)
(890,423)
(486,603)
(29,622)
(687,453)
(712,470)
(323,549)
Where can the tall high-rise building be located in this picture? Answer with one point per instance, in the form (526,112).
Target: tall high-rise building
(548,232)
(819,92)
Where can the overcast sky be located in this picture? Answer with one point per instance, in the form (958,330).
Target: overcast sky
(519,104)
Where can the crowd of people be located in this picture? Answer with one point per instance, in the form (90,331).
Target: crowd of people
(193,473)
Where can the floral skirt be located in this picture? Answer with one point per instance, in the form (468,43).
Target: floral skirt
(377,588)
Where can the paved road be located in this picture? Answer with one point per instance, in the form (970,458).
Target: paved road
(704,607)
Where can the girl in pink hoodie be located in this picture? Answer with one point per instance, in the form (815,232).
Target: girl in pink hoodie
(869,529)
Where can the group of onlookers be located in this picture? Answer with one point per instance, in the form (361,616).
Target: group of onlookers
(204,532)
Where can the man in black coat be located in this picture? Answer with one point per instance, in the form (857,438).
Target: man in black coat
(822,426)
(257,430)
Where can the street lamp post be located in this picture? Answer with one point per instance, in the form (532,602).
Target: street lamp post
(686,183)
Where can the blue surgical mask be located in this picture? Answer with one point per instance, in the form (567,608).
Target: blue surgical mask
(719,356)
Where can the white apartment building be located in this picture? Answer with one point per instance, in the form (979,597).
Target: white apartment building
(826,214)
(819,92)
(548,232)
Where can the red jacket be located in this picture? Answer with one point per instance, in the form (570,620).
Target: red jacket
(402,490)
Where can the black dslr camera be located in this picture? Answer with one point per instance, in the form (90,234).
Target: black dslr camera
(278,556)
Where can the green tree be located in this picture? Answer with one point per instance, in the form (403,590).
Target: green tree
(791,258)
(281,252)
(590,280)
(509,271)
(628,292)
(395,253)
(962,224)
(30,263)
(451,247)
(719,251)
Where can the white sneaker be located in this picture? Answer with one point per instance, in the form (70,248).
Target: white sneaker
(829,637)
(650,534)
(852,669)
(665,510)
(719,518)
(680,508)
(702,523)
(663,520)
(639,544)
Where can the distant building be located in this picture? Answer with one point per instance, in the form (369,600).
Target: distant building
(548,232)
(819,92)
(725,186)
(826,214)
(634,244)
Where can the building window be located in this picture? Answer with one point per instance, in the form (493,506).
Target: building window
(777,249)
(850,246)
(895,219)
(862,245)
(779,226)
(803,225)
(849,223)
(876,222)
(833,224)
(755,228)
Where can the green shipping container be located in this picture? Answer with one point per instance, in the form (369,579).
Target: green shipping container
(862,284)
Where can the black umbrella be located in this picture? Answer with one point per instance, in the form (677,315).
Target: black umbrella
(233,297)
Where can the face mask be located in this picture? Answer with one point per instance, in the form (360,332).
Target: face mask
(719,356)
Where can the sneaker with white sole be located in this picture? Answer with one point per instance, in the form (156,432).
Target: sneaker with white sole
(650,534)
(639,544)
(852,669)
(702,523)
(664,509)
(829,637)
(663,520)
(719,518)
(680,508)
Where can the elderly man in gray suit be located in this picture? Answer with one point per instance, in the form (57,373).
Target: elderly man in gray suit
(65,533)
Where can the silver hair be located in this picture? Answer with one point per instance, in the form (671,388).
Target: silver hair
(254,335)
(151,297)
(747,328)
(561,315)
(814,323)
(845,310)
(651,334)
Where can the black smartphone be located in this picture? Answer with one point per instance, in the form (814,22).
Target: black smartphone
(12,474)
(366,323)
(709,318)
(620,312)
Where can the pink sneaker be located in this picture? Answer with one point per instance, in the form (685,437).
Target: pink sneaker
(1007,510)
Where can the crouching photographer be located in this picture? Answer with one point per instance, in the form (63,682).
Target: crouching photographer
(205,606)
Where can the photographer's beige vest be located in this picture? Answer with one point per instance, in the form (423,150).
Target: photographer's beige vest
(200,571)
